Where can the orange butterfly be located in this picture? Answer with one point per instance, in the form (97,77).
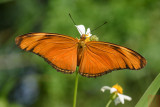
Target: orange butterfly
(94,58)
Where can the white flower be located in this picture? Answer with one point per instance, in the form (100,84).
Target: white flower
(117,89)
(121,98)
(81,30)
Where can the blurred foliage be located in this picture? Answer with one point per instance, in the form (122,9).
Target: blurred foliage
(26,80)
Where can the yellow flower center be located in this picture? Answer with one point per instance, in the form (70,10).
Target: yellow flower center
(119,88)
(87,38)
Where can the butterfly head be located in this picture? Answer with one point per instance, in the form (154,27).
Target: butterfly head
(85,38)
(85,35)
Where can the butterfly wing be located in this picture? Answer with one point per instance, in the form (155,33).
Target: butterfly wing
(101,57)
(58,50)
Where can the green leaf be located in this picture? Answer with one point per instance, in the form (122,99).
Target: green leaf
(152,90)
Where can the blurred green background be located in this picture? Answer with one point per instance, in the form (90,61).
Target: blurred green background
(26,80)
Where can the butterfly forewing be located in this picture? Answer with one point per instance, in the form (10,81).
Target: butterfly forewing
(102,57)
(58,50)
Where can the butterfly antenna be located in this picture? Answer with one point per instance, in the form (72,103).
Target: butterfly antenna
(72,19)
(98,27)
(74,22)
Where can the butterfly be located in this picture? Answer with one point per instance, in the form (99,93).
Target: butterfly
(94,58)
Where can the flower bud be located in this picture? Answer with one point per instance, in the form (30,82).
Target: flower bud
(94,38)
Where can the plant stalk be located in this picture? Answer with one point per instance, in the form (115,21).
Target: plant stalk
(75,90)
(113,96)
(109,102)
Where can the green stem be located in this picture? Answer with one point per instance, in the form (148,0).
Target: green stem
(75,90)
(109,102)
(113,96)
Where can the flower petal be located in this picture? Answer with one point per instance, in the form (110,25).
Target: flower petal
(117,101)
(127,97)
(88,32)
(89,35)
(105,88)
(81,29)
(113,90)
(121,98)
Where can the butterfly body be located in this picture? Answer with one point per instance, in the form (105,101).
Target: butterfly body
(81,46)
(94,58)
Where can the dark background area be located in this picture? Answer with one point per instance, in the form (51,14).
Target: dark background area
(26,80)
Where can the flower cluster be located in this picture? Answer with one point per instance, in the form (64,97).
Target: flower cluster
(89,36)
(81,30)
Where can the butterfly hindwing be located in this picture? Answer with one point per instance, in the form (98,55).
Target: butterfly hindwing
(102,57)
(58,50)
